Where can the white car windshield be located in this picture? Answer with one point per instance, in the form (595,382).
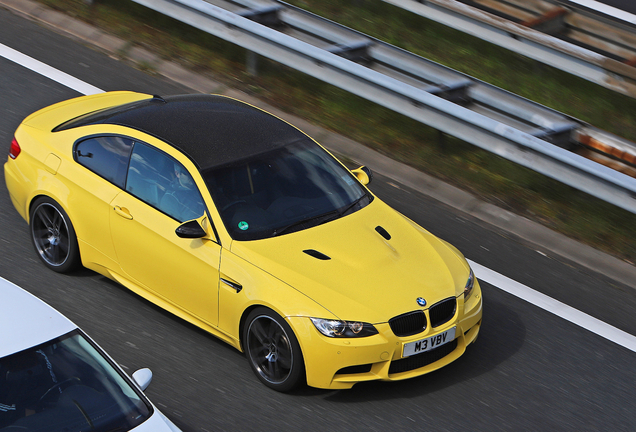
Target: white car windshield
(284,190)
(67,385)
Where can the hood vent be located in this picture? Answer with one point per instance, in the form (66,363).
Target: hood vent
(384,233)
(316,254)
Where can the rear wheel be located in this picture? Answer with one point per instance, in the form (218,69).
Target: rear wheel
(53,236)
(273,350)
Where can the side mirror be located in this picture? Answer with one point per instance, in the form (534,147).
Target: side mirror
(363,174)
(191,229)
(143,377)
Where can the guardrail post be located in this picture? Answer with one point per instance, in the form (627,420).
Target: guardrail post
(251,63)
(441,141)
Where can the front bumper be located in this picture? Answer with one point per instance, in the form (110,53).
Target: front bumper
(335,363)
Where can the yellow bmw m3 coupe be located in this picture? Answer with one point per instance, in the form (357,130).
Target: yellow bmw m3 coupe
(241,224)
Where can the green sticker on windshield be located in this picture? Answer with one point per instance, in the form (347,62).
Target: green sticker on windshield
(243,225)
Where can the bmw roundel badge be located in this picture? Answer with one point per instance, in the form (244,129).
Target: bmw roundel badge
(421,301)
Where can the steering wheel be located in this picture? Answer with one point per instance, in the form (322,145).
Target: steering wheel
(67,382)
(233,203)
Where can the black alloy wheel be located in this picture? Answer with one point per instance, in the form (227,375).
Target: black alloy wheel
(273,350)
(53,236)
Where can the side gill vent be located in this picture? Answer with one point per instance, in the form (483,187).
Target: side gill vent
(316,254)
(384,233)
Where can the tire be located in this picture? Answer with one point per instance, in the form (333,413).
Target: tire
(273,350)
(53,236)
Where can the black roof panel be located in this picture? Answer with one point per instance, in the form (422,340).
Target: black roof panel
(211,130)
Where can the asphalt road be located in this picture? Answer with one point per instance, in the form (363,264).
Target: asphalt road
(529,370)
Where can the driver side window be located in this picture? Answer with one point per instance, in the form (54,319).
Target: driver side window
(161,181)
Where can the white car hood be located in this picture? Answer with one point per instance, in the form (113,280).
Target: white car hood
(158,422)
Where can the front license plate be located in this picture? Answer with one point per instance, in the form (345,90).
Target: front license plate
(429,343)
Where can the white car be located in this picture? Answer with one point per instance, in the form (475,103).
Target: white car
(53,377)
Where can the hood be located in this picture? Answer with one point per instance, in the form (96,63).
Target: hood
(353,269)
(28,321)
(158,422)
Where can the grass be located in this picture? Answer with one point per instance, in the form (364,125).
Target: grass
(494,179)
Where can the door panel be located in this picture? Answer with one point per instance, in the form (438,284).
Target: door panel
(185,272)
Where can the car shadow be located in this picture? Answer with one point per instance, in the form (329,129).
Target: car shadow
(501,336)
(157,309)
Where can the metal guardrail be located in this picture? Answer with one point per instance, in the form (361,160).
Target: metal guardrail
(610,34)
(533,37)
(486,116)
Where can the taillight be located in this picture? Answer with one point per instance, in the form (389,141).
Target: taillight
(15,149)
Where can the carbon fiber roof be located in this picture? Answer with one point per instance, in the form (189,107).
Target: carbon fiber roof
(211,130)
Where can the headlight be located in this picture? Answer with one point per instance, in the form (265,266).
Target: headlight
(343,329)
(470,283)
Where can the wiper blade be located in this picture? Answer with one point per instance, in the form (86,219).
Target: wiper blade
(325,216)
(86,417)
(329,216)
(350,206)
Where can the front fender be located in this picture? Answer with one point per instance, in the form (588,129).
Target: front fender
(258,288)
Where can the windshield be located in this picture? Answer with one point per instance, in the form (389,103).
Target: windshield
(66,385)
(284,190)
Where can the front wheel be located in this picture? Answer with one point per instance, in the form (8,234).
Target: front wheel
(273,350)
(53,236)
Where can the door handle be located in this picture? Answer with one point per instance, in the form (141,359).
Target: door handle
(234,285)
(123,212)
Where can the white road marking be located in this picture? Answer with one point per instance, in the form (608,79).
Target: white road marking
(48,71)
(502,282)
(607,10)
(549,304)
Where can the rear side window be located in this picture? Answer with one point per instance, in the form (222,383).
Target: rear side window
(106,156)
